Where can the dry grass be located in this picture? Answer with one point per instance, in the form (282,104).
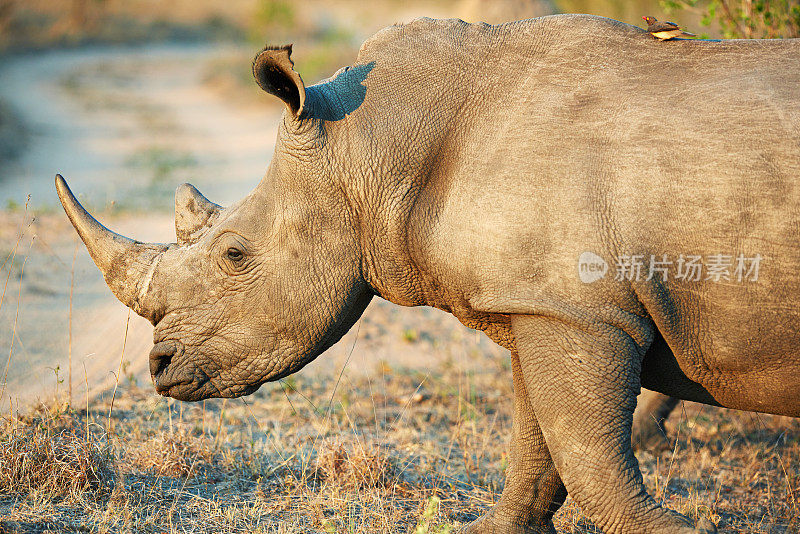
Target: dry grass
(353,466)
(174,455)
(400,454)
(47,454)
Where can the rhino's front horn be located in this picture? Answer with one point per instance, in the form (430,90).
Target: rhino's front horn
(127,265)
(194,213)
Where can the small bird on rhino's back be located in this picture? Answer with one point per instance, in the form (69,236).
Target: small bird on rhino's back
(664,31)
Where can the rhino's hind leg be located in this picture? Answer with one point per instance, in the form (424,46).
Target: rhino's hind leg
(652,409)
(582,384)
(533,491)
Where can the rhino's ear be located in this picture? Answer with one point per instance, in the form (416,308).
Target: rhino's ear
(274,72)
(193,214)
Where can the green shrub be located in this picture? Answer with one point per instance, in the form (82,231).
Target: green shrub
(745,19)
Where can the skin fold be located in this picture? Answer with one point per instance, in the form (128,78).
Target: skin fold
(469,167)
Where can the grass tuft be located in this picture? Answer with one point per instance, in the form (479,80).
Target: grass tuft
(352,467)
(174,454)
(48,454)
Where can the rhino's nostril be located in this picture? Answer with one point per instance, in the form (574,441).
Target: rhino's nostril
(160,356)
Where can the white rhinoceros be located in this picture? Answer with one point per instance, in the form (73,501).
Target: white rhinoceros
(618,212)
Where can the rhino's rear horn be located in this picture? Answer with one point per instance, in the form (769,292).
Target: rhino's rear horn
(127,265)
(193,214)
(273,69)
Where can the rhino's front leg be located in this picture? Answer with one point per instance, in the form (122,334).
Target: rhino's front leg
(582,382)
(533,490)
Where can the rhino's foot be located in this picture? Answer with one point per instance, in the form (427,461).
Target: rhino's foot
(705,526)
(489,524)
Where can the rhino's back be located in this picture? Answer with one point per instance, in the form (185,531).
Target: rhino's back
(548,89)
(507,54)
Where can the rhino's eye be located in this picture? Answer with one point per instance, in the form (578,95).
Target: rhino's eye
(234,254)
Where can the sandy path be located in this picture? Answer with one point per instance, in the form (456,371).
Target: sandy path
(125,126)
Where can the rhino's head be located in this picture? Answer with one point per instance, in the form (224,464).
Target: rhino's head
(250,293)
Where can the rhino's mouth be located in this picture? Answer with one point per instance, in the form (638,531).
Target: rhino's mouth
(175,376)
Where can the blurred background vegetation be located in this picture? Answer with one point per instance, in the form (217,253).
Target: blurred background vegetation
(332,31)
(327,34)
(31,24)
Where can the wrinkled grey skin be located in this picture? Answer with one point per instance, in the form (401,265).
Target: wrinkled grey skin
(467,167)
(652,408)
